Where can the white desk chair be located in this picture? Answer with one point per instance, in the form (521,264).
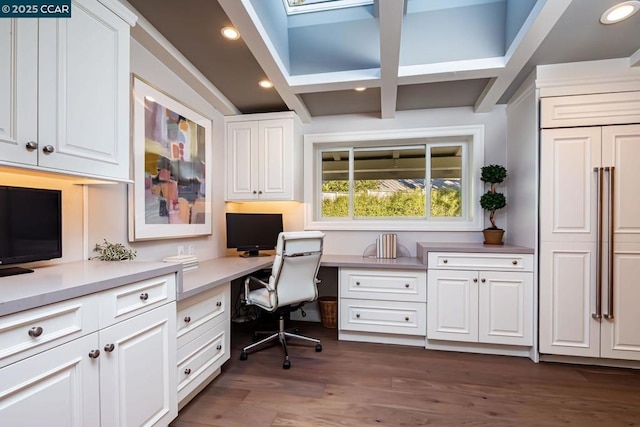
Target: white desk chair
(292,283)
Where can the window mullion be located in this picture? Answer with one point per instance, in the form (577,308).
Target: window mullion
(351,183)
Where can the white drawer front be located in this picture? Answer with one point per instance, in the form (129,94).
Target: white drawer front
(393,317)
(200,358)
(476,261)
(201,312)
(32,331)
(130,300)
(384,285)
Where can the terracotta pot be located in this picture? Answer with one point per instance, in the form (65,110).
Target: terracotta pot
(493,236)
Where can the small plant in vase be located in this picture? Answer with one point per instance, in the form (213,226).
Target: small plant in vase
(492,201)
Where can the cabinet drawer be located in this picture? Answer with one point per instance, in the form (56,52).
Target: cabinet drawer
(200,358)
(476,261)
(130,300)
(32,331)
(394,317)
(201,312)
(383,284)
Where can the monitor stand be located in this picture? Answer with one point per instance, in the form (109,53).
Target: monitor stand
(248,254)
(12,271)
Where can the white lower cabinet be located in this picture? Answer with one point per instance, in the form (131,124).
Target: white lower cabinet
(383,305)
(480,298)
(106,359)
(203,340)
(58,387)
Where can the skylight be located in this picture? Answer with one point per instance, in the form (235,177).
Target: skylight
(306,6)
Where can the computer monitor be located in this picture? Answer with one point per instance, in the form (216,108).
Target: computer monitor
(252,232)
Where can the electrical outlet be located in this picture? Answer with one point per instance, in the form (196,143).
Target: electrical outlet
(191,249)
(181,250)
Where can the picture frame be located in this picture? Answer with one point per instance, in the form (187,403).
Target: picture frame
(171,193)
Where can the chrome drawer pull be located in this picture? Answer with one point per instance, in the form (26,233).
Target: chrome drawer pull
(219,304)
(444,261)
(144,296)
(219,347)
(109,348)
(406,285)
(475,280)
(406,319)
(357,283)
(94,354)
(35,332)
(357,316)
(187,371)
(514,262)
(483,280)
(187,319)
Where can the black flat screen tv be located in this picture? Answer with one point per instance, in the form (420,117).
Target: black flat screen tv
(30,226)
(252,232)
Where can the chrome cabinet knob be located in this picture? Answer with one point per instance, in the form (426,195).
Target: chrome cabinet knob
(219,347)
(444,261)
(109,348)
(406,319)
(35,332)
(144,296)
(48,149)
(483,280)
(357,283)
(357,316)
(219,304)
(187,371)
(406,285)
(259,191)
(255,192)
(514,262)
(31,145)
(475,280)
(94,354)
(187,319)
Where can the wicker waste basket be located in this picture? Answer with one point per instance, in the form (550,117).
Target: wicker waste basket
(328,311)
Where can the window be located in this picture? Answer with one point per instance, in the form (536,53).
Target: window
(305,6)
(425,179)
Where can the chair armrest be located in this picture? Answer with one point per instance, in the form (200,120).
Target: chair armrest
(254,280)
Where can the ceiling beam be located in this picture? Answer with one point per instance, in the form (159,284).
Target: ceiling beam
(246,20)
(467,69)
(541,20)
(391,14)
(339,80)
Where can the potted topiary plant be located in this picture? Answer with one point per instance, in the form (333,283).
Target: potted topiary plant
(492,201)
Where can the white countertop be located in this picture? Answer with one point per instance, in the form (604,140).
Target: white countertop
(59,282)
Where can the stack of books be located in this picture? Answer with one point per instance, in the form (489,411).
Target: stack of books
(386,245)
(189,262)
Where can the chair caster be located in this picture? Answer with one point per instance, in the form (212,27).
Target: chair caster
(286,364)
(243,355)
(318,348)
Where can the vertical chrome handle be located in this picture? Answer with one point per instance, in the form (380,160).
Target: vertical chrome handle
(609,313)
(598,313)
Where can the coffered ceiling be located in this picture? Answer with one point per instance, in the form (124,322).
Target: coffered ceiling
(408,54)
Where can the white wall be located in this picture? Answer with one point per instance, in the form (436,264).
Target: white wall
(522,164)
(354,242)
(107,204)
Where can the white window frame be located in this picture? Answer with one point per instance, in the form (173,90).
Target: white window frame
(322,6)
(473,215)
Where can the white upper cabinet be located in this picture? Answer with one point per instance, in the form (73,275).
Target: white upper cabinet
(68,86)
(264,158)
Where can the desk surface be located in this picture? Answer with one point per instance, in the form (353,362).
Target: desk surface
(216,272)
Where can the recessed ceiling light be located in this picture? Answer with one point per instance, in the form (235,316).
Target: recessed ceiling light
(620,12)
(265,84)
(360,89)
(230,33)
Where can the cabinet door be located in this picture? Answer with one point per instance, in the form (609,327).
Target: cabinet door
(19,85)
(84,92)
(56,388)
(567,299)
(568,184)
(452,305)
(276,157)
(505,308)
(138,375)
(242,160)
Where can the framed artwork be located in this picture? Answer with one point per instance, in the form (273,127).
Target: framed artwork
(170,196)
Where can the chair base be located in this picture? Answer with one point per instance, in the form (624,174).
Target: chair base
(281,335)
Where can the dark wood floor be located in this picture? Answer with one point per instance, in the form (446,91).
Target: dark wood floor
(353,384)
